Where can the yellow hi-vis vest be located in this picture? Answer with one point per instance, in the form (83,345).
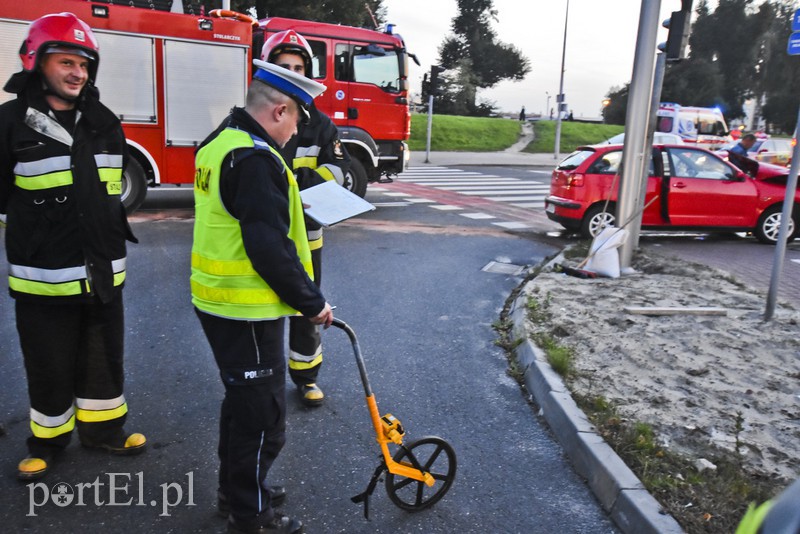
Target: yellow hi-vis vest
(223,280)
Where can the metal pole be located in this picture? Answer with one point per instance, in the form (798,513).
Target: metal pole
(655,100)
(561,88)
(639,97)
(786,215)
(430,122)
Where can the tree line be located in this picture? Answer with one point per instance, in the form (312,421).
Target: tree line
(737,52)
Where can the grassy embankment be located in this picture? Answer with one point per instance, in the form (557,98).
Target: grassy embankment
(481,134)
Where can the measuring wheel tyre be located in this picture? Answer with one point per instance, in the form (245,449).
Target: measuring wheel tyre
(769,224)
(355,180)
(433,455)
(595,219)
(134,186)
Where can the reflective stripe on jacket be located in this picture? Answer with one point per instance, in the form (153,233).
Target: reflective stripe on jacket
(66,225)
(224,281)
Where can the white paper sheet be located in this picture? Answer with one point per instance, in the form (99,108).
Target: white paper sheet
(330,203)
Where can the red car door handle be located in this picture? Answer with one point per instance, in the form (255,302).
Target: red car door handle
(679,185)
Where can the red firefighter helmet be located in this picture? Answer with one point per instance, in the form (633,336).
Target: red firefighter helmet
(287,41)
(59,32)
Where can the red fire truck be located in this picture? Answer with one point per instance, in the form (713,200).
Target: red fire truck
(172,77)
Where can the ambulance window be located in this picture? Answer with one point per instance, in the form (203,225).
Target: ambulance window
(318,65)
(665,124)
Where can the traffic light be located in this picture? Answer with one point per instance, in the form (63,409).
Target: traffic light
(434,80)
(679,24)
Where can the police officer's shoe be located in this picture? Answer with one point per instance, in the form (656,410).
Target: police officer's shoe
(279,523)
(311,395)
(277,494)
(123,445)
(34,467)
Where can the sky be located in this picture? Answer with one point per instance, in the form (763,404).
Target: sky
(601,41)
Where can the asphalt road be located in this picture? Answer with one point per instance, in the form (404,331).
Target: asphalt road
(409,280)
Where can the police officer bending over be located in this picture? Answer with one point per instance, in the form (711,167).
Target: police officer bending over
(251,268)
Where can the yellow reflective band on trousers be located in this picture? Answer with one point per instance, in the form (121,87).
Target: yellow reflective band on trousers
(46,426)
(301,365)
(99,410)
(223,280)
(65,282)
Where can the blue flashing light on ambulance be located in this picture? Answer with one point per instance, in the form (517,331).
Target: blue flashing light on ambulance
(704,127)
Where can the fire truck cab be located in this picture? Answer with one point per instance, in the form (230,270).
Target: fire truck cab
(172,77)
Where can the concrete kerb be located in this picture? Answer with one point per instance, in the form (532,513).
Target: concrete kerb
(617,488)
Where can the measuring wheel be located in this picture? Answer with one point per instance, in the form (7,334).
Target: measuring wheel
(432,455)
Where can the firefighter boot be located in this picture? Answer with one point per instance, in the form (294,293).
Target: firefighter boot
(123,445)
(34,467)
(311,395)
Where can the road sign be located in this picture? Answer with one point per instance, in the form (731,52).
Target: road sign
(796,21)
(793,48)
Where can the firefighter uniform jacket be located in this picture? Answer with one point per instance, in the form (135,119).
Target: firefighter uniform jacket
(316,155)
(250,255)
(60,197)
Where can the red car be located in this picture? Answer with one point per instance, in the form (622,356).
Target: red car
(696,190)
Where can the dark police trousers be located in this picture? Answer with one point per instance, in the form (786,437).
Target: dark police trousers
(252,430)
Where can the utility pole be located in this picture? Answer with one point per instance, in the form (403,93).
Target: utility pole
(635,150)
(560,97)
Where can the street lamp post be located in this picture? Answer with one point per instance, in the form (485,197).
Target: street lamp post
(560,98)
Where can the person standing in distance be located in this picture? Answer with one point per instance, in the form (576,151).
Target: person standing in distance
(62,155)
(251,268)
(316,155)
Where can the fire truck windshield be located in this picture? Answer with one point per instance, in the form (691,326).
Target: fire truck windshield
(378,66)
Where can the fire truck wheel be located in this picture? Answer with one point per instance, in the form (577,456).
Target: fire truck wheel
(356,178)
(134,186)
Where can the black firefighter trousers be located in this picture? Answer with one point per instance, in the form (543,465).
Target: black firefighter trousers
(305,350)
(252,365)
(73,351)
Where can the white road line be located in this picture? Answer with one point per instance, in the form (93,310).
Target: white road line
(447,207)
(477,216)
(390,204)
(502,188)
(512,225)
(437,183)
(504,194)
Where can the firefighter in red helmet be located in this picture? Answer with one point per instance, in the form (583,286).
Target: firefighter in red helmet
(316,155)
(62,155)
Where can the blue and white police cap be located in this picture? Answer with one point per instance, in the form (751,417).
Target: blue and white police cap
(303,90)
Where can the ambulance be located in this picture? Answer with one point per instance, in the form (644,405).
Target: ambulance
(704,127)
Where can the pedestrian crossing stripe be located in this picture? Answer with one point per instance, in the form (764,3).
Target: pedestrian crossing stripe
(520,193)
